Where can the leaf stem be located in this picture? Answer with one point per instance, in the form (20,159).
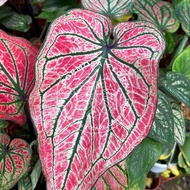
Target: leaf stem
(172,154)
(179,49)
(43,31)
(29,121)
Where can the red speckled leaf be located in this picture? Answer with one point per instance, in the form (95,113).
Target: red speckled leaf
(94,100)
(114,178)
(17,57)
(14,160)
(160,13)
(111,8)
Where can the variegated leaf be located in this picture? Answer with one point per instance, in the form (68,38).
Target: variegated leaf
(161,13)
(110,8)
(182,9)
(17,57)
(179,86)
(14,160)
(114,178)
(2,2)
(179,123)
(163,125)
(95,96)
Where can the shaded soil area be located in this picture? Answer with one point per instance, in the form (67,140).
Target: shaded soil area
(180,183)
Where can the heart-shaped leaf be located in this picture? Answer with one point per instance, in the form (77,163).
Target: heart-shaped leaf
(17,57)
(14,160)
(95,95)
(160,13)
(114,178)
(182,9)
(179,86)
(110,8)
(163,125)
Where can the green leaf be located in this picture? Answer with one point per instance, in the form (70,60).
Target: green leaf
(25,183)
(182,63)
(0,179)
(3,124)
(185,149)
(35,175)
(5,12)
(170,43)
(166,152)
(179,123)
(141,160)
(56,5)
(182,8)
(163,125)
(47,15)
(161,13)
(178,86)
(18,22)
(182,163)
(142,183)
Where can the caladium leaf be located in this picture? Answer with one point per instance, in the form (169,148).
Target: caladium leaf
(93,101)
(2,2)
(17,58)
(179,123)
(182,9)
(160,13)
(110,8)
(178,85)
(163,125)
(14,160)
(114,178)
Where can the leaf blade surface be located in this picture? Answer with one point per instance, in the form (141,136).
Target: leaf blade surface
(88,102)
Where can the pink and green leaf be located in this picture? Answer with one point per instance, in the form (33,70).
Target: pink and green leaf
(15,158)
(95,95)
(182,9)
(114,178)
(110,8)
(17,57)
(2,2)
(160,13)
